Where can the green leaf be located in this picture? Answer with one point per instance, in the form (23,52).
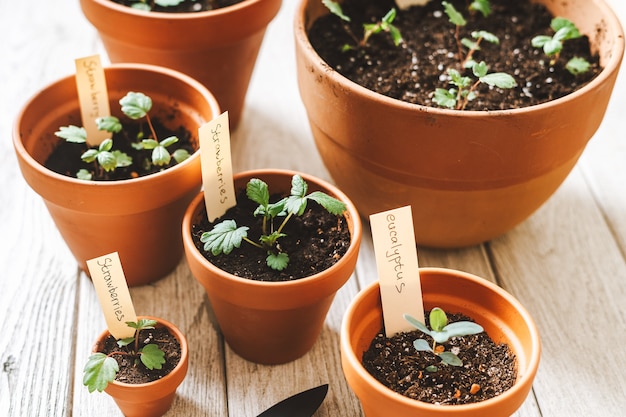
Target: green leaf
(564,29)
(499,79)
(389,16)
(258,191)
(106,145)
(295,205)
(99,371)
(450,358)
(135,105)
(539,41)
(421,345)
(482,6)
(224,237)
(455,17)
(166,3)
(141,6)
(278,261)
(270,240)
(126,341)
(160,156)
(152,356)
(458,80)
(89,155)
(445,98)
(417,324)
(432,368)
(107,160)
(149,144)
(299,187)
(73,134)
(469,44)
(552,47)
(110,124)
(142,324)
(438,319)
(180,155)
(122,159)
(335,8)
(462,328)
(331,204)
(169,141)
(480,69)
(577,65)
(396,36)
(487,36)
(84,174)
(273,210)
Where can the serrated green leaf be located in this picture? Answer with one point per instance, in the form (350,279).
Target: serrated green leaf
(160,156)
(276,209)
(335,8)
(73,134)
(450,358)
(99,371)
(269,240)
(295,205)
(458,80)
(257,191)
(499,79)
(552,47)
(152,356)
(278,261)
(89,155)
(180,155)
(445,98)
(224,237)
(456,18)
(480,69)
(331,204)
(539,41)
(106,145)
(169,141)
(126,341)
(421,345)
(84,174)
(166,3)
(122,159)
(577,65)
(299,187)
(135,105)
(481,6)
(564,28)
(149,144)
(142,324)
(107,160)
(141,6)
(110,124)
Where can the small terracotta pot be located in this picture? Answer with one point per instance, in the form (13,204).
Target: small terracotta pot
(504,319)
(151,399)
(469,176)
(139,218)
(217,47)
(272,322)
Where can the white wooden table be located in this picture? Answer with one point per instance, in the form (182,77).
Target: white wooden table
(565,264)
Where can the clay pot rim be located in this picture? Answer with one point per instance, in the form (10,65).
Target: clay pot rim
(610,67)
(120,8)
(522,378)
(183,362)
(355,233)
(135,182)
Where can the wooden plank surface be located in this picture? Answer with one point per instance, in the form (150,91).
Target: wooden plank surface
(566,263)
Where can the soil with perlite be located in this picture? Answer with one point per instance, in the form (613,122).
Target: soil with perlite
(412,71)
(314,242)
(132,372)
(488,369)
(186,6)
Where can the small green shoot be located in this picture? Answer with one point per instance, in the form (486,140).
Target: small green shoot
(369,29)
(227,235)
(552,46)
(135,106)
(101,369)
(441,331)
(148,5)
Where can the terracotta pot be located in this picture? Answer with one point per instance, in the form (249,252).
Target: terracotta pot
(504,319)
(139,218)
(469,175)
(272,322)
(217,47)
(151,399)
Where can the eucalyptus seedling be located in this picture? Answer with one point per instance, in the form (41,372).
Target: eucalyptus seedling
(101,368)
(441,331)
(384,25)
(564,29)
(227,235)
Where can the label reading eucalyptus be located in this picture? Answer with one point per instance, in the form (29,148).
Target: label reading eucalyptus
(93,97)
(398,273)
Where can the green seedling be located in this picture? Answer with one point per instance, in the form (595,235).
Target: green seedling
(227,235)
(441,331)
(148,5)
(385,25)
(135,106)
(552,46)
(464,87)
(101,368)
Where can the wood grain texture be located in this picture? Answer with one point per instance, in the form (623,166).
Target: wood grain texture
(565,264)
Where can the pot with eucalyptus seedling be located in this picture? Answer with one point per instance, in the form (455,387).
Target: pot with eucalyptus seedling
(476,355)
(271,270)
(141,372)
(214,41)
(115,200)
(470,170)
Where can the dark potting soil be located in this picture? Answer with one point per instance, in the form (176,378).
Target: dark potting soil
(135,372)
(412,71)
(396,364)
(314,242)
(65,158)
(186,6)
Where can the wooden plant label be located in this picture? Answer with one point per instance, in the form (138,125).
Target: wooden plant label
(405,4)
(398,273)
(93,97)
(217,168)
(110,284)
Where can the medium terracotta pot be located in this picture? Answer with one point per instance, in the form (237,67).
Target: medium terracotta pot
(504,319)
(139,218)
(217,47)
(151,399)
(272,322)
(469,176)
